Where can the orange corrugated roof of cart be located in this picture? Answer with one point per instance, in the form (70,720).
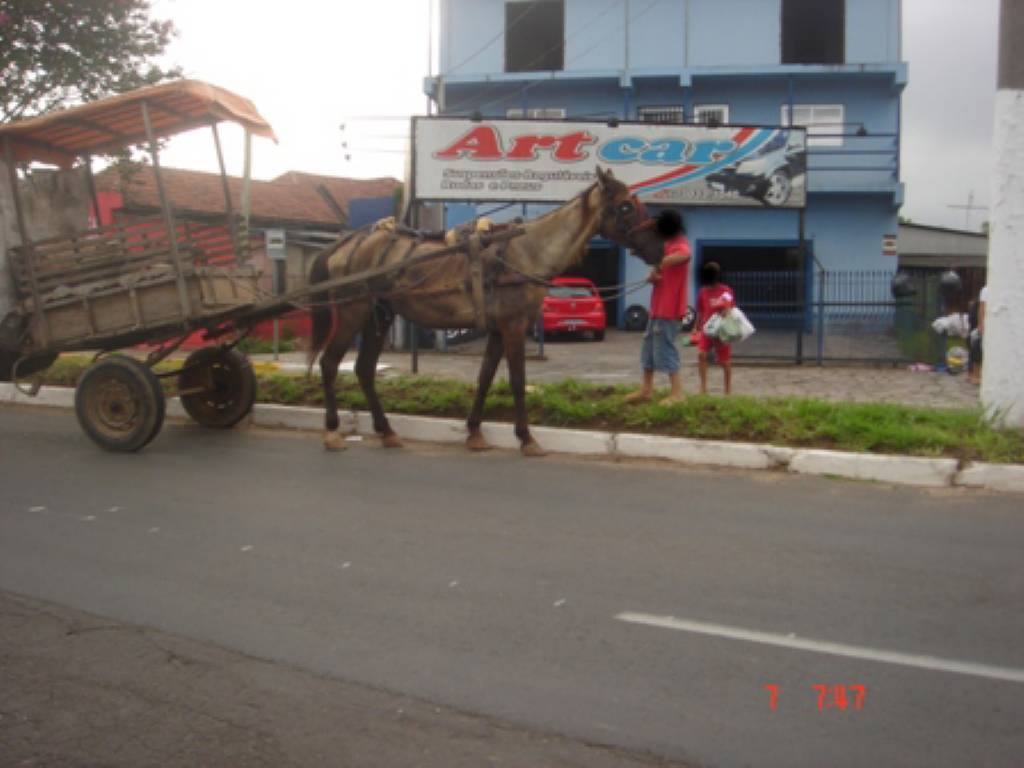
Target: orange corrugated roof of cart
(115,122)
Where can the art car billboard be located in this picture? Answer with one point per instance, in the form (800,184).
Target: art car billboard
(549,161)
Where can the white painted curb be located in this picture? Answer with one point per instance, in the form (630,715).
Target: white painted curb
(294,417)
(906,470)
(420,428)
(900,470)
(995,477)
(53,397)
(690,451)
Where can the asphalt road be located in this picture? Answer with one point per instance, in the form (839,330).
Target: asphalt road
(536,590)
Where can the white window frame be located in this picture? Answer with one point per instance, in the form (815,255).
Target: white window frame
(536,113)
(702,111)
(642,113)
(818,119)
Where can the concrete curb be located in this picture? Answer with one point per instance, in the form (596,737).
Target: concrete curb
(994,477)
(905,470)
(710,452)
(899,470)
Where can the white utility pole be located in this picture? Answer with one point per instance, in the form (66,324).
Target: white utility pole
(1002,385)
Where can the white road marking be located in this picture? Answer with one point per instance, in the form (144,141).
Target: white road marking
(89,518)
(154,530)
(822,646)
(37,509)
(115,509)
(247,548)
(453,585)
(559,603)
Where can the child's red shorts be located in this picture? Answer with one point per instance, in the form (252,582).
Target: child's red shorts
(723,351)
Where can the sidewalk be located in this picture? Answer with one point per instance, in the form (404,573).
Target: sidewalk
(78,690)
(616,361)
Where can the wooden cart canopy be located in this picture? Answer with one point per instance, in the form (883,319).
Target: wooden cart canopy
(110,124)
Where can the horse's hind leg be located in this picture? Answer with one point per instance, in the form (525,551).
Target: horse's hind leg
(374,332)
(492,356)
(330,359)
(515,354)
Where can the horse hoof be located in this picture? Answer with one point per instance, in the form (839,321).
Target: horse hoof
(476,442)
(334,442)
(532,449)
(391,440)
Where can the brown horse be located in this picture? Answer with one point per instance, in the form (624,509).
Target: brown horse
(498,288)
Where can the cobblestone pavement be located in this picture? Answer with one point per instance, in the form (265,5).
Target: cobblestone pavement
(616,361)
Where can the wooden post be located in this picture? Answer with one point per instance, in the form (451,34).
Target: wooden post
(246,176)
(165,205)
(26,245)
(91,181)
(228,207)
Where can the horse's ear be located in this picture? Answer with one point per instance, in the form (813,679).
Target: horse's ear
(603,177)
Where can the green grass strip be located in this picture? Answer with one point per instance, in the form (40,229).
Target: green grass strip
(789,421)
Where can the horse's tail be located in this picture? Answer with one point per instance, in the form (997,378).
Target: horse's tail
(322,310)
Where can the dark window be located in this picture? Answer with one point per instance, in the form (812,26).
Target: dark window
(660,114)
(570,292)
(813,31)
(534,36)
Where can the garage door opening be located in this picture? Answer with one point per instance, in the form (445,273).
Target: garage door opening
(601,266)
(769,282)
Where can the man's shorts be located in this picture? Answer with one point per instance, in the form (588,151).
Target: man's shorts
(723,351)
(659,352)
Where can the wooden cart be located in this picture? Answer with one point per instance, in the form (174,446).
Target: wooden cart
(157,282)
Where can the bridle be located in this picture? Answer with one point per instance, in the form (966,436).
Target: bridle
(630,216)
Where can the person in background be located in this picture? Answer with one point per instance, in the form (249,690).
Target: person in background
(714,297)
(976,319)
(668,306)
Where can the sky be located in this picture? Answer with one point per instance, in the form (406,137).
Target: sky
(312,67)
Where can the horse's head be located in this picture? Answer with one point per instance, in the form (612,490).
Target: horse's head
(624,220)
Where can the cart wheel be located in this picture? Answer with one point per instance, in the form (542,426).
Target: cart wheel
(218,387)
(119,403)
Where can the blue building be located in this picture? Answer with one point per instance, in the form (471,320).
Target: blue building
(830,65)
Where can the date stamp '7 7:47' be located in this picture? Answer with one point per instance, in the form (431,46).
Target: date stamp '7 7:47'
(839,697)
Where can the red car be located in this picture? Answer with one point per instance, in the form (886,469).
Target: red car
(573,305)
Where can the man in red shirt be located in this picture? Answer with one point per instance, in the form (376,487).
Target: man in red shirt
(715,297)
(668,306)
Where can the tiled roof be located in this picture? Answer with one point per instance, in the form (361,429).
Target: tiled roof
(290,198)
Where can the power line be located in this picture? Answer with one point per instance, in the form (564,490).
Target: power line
(968,209)
(493,40)
(529,86)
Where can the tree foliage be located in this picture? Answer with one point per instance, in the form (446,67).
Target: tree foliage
(56,53)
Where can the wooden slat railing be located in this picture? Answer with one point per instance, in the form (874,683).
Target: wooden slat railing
(107,252)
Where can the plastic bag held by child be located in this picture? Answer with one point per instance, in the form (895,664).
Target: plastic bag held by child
(713,326)
(730,329)
(746,327)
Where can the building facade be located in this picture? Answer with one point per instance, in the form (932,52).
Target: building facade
(833,66)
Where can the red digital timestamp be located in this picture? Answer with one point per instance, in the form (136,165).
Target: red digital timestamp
(839,697)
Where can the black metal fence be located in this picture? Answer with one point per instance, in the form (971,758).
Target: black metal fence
(837,316)
(840,316)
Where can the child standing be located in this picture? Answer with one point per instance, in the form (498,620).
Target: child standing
(715,297)
(668,305)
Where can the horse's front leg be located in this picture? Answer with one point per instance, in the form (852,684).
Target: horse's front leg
(515,354)
(492,356)
(330,359)
(374,332)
